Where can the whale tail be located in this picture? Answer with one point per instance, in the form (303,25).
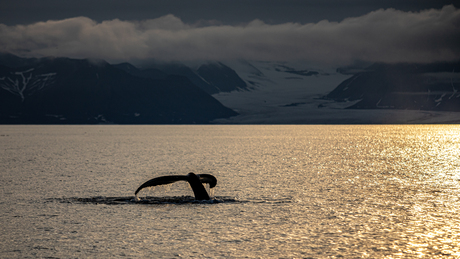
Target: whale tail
(161,181)
(208,178)
(195,180)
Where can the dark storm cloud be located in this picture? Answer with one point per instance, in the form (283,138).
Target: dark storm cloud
(384,35)
(230,12)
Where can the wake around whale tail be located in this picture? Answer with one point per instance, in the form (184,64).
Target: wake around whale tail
(195,180)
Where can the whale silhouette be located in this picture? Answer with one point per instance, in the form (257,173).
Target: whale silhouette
(195,180)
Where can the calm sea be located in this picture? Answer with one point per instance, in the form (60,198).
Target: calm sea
(282,191)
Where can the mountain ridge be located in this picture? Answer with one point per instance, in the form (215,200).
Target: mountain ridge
(431,87)
(211,77)
(72,91)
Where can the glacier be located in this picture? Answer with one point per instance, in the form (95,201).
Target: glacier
(285,93)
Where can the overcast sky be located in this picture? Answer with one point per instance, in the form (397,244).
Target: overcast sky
(323,31)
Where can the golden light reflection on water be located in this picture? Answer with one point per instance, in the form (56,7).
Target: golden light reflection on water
(371,191)
(391,192)
(424,162)
(432,228)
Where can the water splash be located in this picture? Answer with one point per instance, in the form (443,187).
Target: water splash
(145,200)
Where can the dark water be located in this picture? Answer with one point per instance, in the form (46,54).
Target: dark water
(145,200)
(282,192)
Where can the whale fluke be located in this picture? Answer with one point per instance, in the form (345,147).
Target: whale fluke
(195,180)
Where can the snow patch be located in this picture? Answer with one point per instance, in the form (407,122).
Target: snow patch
(20,82)
(440,98)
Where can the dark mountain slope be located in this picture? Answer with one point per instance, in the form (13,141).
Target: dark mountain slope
(212,78)
(10,60)
(174,68)
(403,86)
(152,73)
(223,78)
(65,90)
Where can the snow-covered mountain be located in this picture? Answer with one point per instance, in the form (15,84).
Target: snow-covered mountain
(263,92)
(294,92)
(282,84)
(299,92)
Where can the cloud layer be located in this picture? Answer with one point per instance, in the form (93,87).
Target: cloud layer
(383,35)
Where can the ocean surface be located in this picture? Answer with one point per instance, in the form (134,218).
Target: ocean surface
(282,191)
